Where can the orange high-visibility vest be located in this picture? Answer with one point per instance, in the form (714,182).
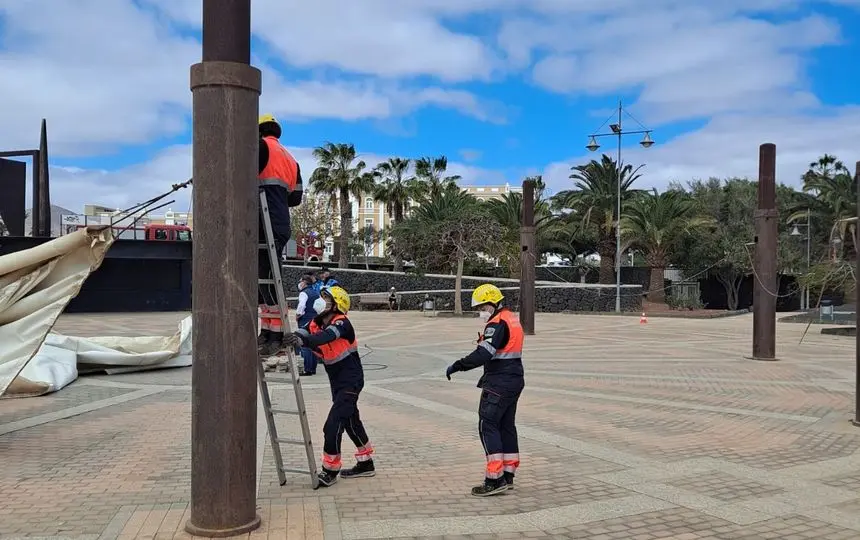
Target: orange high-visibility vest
(282,168)
(513,349)
(337,350)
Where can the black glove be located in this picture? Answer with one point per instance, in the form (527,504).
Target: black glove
(453,368)
(292,340)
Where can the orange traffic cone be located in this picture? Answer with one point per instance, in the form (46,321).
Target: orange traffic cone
(643,319)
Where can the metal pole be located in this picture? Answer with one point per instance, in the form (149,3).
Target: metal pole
(35,211)
(528,259)
(765,283)
(226,93)
(808,255)
(856,420)
(618,218)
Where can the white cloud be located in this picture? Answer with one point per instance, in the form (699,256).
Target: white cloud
(729,145)
(73,187)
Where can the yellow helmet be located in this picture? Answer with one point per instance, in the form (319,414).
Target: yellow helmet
(486,294)
(267,118)
(339,296)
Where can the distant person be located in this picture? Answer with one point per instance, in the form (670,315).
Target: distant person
(325,279)
(392,299)
(309,306)
(281,179)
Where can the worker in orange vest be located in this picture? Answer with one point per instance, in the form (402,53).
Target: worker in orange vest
(281,179)
(500,351)
(332,339)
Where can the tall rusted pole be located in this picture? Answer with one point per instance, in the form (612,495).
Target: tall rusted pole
(226,92)
(764,266)
(528,259)
(44,194)
(857,302)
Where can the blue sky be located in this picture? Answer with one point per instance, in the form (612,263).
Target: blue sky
(504,88)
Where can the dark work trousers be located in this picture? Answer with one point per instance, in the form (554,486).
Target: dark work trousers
(344,416)
(497,427)
(266,295)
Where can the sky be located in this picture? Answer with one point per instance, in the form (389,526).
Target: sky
(503,88)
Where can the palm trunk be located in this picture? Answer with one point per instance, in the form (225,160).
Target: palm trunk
(606,250)
(345,228)
(398,217)
(656,291)
(458,286)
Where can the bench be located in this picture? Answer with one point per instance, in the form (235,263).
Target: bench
(376,299)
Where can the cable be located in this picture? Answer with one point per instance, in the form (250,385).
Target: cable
(761,283)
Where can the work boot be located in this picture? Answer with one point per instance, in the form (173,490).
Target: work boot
(509,478)
(270,348)
(263,338)
(362,468)
(327,477)
(490,487)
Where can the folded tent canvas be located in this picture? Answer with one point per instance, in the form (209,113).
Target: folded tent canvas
(36,285)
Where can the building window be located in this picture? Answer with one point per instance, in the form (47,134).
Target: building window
(368,203)
(368,222)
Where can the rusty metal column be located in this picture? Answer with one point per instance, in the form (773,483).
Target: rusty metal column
(765,278)
(226,93)
(528,259)
(856,420)
(35,215)
(44,194)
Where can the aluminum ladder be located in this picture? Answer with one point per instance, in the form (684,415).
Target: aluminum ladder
(270,412)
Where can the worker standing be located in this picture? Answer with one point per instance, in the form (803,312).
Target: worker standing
(306,310)
(281,179)
(325,279)
(500,350)
(332,338)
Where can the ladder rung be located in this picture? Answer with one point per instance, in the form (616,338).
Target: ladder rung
(297,471)
(284,411)
(267,282)
(291,441)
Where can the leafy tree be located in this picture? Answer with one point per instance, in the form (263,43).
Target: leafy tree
(395,189)
(725,249)
(341,175)
(315,217)
(657,223)
(364,239)
(442,233)
(594,203)
(508,213)
(431,180)
(3,230)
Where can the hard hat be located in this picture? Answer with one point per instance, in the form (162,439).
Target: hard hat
(486,294)
(339,296)
(268,118)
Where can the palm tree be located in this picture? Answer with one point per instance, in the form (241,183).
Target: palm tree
(656,223)
(395,190)
(340,176)
(831,198)
(432,181)
(508,212)
(594,202)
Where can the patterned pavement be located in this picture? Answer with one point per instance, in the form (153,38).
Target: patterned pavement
(645,432)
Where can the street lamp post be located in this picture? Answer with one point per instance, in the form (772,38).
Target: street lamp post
(804,299)
(592,146)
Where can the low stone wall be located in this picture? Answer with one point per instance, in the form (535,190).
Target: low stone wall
(549,297)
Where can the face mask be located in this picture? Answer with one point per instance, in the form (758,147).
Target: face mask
(484,315)
(319,305)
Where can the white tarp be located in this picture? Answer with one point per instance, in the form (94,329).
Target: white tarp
(36,285)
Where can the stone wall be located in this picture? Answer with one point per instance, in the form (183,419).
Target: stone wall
(549,297)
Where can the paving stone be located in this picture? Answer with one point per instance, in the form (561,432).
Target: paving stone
(613,397)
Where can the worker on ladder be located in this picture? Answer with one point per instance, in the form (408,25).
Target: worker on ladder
(332,338)
(500,352)
(281,179)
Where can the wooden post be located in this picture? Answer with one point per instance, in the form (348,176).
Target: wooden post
(764,266)
(528,259)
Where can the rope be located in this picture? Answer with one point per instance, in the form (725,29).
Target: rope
(761,283)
